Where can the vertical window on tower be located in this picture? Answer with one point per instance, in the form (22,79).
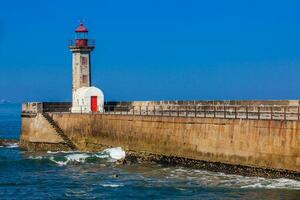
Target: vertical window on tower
(84,78)
(83,60)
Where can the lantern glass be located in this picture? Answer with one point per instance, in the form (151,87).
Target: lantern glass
(81,35)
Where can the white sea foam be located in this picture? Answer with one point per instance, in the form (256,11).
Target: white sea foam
(112,185)
(10,145)
(201,177)
(216,179)
(60,163)
(78,157)
(62,158)
(101,156)
(281,183)
(116,153)
(57,152)
(36,157)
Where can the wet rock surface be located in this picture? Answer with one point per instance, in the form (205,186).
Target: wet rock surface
(40,146)
(143,157)
(8,142)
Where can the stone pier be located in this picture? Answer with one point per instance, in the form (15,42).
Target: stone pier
(244,146)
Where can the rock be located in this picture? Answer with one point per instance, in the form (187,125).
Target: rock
(115,175)
(8,142)
(120,162)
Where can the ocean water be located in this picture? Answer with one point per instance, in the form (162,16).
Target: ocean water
(82,175)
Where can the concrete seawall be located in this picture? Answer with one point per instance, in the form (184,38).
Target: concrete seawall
(269,144)
(37,134)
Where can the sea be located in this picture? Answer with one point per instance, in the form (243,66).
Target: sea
(83,175)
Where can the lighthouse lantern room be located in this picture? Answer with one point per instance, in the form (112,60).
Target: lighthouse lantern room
(81,48)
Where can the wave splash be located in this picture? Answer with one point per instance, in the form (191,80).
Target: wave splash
(10,145)
(72,157)
(218,179)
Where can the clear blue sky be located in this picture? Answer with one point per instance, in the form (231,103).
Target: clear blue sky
(153,50)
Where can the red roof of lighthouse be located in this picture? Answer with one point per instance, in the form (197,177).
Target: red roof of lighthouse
(81,28)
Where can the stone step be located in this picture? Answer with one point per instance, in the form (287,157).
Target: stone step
(59,131)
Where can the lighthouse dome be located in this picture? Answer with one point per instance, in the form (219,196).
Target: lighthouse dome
(81,29)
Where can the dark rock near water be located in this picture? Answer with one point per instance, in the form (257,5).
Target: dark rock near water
(8,142)
(42,146)
(143,157)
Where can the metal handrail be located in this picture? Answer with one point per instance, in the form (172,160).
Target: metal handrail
(90,42)
(261,112)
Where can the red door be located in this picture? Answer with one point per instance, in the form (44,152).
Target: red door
(94,106)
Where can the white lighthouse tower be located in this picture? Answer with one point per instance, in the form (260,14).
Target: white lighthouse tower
(85,98)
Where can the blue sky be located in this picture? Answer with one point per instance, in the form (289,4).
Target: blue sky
(153,50)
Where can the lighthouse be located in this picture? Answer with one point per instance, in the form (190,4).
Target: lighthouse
(85,97)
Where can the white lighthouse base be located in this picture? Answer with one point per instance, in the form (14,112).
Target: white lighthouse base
(88,100)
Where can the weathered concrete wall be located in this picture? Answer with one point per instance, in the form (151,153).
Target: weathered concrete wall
(259,143)
(37,133)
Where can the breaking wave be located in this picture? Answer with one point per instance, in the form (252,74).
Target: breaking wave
(10,145)
(62,158)
(184,177)
(217,179)
(112,185)
(281,183)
